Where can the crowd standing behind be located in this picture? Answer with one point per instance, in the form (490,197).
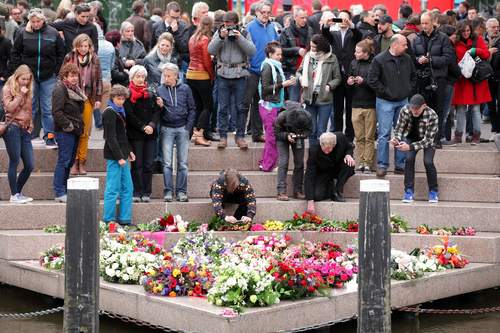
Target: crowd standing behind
(340,79)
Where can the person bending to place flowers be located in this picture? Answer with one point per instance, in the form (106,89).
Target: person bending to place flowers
(143,114)
(118,153)
(84,56)
(231,187)
(272,97)
(17,98)
(67,107)
(329,166)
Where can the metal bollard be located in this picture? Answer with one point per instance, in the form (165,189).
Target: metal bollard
(374,237)
(81,294)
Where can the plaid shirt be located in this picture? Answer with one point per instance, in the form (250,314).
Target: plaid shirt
(427,127)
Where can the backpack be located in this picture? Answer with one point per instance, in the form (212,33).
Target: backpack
(482,71)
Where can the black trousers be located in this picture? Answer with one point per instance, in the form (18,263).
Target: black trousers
(240,200)
(252,102)
(142,167)
(342,101)
(494,106)
(436,100)
(430,169)
(328,183)
(202,94)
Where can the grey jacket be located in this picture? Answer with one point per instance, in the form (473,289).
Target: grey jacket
(132,50)
(331,76)
(232,55)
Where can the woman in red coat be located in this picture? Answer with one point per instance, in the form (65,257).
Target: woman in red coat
(468,93)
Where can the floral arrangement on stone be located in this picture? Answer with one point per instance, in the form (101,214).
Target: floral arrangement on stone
(204,245)
(168,223)
(53,258)
(55,229)
(447,255)
(424,229)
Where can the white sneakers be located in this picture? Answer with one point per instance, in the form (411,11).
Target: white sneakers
(19,198)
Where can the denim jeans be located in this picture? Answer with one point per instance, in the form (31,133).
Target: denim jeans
(475,111)
(18,145)
(118,185)
(227,89)
(387,117)
(293,91)
(298,166)
(180,137)
(67,144)
(320,115)
(42,95)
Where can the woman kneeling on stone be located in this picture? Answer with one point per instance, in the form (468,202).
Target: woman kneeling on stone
(231,187)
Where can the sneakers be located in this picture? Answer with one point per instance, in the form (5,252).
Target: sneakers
(23,197)
(182,197)
(433,197)
(168,197)
(146,198)
(408,196)
(18,199)
(136,199)
(282,197)
(62,198)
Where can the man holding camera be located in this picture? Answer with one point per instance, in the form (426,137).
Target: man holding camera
(416,128)
(433,55)
(291,128)
(232,48)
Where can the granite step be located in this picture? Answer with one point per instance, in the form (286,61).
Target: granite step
(483,159)
(484,247)
(196,315)
(452,187)
(482,216)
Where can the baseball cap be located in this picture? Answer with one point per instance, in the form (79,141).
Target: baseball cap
(385,19)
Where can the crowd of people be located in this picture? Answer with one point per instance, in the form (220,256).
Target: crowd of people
(340,79)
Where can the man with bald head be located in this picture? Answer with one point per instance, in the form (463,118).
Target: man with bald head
(392,77)
(433,56)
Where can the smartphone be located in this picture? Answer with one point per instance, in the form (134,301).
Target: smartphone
(337,20)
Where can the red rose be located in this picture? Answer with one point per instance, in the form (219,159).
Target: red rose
(290,283)
(343,277)
(303,282)
(170,220)
(310,289)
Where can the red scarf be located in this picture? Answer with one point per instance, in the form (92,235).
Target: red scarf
(137,92)
(412,27)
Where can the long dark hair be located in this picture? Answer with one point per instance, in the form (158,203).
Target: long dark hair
(461,26)
(322,44)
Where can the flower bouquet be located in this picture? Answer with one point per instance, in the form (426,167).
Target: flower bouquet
(398,224)
(447,255)
(168,223)
(273,225)
(305,222)
(217,223)
(53,258)
(204,245)
(335,226)
(424,229)
(404,266)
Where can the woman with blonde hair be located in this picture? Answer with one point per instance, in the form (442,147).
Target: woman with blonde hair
(200,76)
(17,99)
(85,58)
(159,56)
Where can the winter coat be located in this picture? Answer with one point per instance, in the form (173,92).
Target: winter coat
(313,21)
(271,91)
(199,58)
(42,50)
(293,120)
(179,108)
(495,62)
(439,47)
(261,36)
(331,76)
(145,112)
(232,55)
(116,145)
(118,74)
(151,63)
(93,92)
(363,96)
(291,42)
(5,49)
(367,30)
(392,78)
(67,109)
(17,108)
(132,50)
(343,51)
(466,92)
(71,29)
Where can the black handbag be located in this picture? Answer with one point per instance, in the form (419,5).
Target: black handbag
(482,70)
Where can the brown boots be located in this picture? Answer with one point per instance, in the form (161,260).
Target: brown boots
(222,143)
(241,143)
(476,138)
(198,138)
(78,168)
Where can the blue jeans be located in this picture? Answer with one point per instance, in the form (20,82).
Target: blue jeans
(67,144)
(18,145)
(180,137)
(293,91)
(320,115)
(118,185)
(228,88)
(387,117)
(42,95)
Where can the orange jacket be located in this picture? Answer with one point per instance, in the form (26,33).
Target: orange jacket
(200,59)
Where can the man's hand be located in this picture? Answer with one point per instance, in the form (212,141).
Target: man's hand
(129,63)
(290,137)
(122,162)
(237,34)
(246,219)
(358,79)
(231,219)
(223,33)
(310,206)
(351,80)
(131,157)
(349,160)
(403,146)
(394,142)
(423,60)
(148,130)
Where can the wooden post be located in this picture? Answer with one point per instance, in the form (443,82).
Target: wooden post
(81,294)
(374,237)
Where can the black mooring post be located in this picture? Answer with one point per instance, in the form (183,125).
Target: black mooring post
(81,291)
(374,239)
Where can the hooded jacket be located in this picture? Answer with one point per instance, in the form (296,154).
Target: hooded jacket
(42,50)
(293,120)
(179,108)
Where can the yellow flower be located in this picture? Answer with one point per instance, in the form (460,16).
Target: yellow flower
(453,250)
(438,249)
(176,272)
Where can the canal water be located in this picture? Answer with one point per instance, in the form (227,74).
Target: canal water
(19,300)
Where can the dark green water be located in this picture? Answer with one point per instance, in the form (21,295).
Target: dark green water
(18,300)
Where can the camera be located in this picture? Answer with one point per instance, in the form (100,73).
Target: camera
(299,140)
(231,31)
(152,92)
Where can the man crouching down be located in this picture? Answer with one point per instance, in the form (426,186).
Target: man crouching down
(328,167)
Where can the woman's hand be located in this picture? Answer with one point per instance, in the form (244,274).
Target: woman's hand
(290,82)
(24,90)
(148,130)
(131,157)
(159,102)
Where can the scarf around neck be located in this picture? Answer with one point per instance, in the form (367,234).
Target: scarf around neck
(119,110)
(137,92)
(163,59)
(317,75)
(74,91)
(276,68)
